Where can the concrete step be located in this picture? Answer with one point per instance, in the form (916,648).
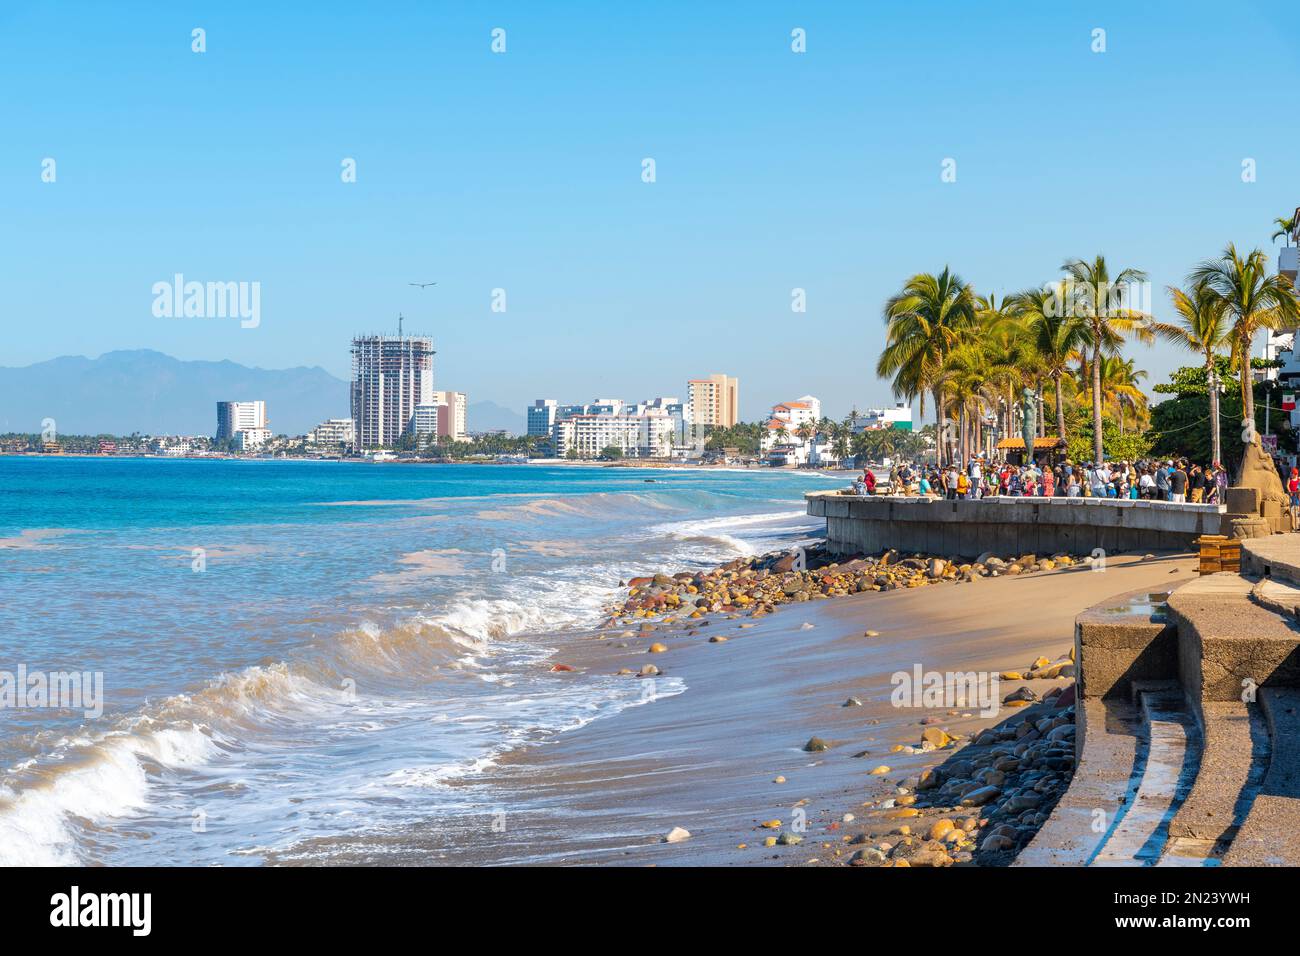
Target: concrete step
(1166,764)
(1106,755)
(1227,642)
(1270,832)
(1278,595)
(1234,759)
(1276,556)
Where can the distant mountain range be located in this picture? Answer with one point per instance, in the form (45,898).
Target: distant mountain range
(148,392)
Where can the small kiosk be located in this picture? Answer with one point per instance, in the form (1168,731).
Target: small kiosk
(1047,451)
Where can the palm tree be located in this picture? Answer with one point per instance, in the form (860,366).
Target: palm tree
(1252,300)
(1055,336)
(1202,327)
(1097,299)
(1287,226)
(964,381)
(928,318)
(806,430)
(1119,386)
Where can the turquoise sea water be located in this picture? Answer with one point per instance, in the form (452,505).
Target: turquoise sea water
(294,650)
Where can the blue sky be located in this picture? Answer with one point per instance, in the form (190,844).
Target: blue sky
(522,171)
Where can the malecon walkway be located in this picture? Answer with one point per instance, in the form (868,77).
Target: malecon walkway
(1188,724)
(857,524)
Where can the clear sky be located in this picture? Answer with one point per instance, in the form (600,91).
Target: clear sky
(523,171)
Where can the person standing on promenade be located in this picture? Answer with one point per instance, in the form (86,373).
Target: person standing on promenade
(1293,489)
(1196,482)
(1147,484)
(1178,485)
(1162,482)
(1098,479)
(1049,483)
(950,483)
(963,485)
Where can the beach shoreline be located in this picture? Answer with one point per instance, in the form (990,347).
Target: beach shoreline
(725,758)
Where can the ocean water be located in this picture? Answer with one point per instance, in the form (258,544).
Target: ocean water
(292,651)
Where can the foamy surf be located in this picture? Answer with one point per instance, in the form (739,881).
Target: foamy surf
(386,661)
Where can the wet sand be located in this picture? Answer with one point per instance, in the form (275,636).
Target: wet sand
(706,759)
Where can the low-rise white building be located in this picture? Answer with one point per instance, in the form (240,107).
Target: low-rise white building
(333,431)
(251,439)
(900,417)
(647,435)
(788,420)
(425,420)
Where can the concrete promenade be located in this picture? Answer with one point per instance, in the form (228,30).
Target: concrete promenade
(1008,525)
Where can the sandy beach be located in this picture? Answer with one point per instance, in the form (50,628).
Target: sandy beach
(707,759)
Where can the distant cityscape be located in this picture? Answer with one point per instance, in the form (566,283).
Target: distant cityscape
(395,412)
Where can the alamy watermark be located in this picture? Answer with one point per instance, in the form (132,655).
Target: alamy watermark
(1083,299)
(948,689)
(179,299)
(56,690)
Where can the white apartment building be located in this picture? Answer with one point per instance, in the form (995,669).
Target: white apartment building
(674,408)
(391,375)
(451,415)
(234,417)
(900,417)
(333,431)
(425,422)
(645,435)
(251,439)
(784,423)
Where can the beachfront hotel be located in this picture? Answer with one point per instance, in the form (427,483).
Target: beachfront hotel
(898,417)
(644,434)
(541,417)
(233,417)
(714,400)
(451,414)
(391,377)
(644,429)
(333,431)
(243,424)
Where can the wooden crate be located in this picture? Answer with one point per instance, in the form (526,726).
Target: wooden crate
(1219,553)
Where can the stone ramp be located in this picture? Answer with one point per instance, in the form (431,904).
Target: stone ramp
(1270,834)
(1106,758)
(1167,761)
(1177,763)
(1235,755)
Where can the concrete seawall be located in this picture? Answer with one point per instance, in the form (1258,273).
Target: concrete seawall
(1007,525)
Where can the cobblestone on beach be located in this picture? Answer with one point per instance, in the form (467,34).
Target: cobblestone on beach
(980,799)
(759,585)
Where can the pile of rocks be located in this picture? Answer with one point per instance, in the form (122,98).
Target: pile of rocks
(991,796)
(758,585)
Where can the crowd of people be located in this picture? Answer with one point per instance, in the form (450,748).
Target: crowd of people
(1173,480)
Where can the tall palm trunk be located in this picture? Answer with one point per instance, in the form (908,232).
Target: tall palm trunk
(940,435)
(1042,411)
(1060,408)
(1247,387)
(1213,379)
(1096,398)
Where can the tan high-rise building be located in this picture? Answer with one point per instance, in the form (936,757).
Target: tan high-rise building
(714,400)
